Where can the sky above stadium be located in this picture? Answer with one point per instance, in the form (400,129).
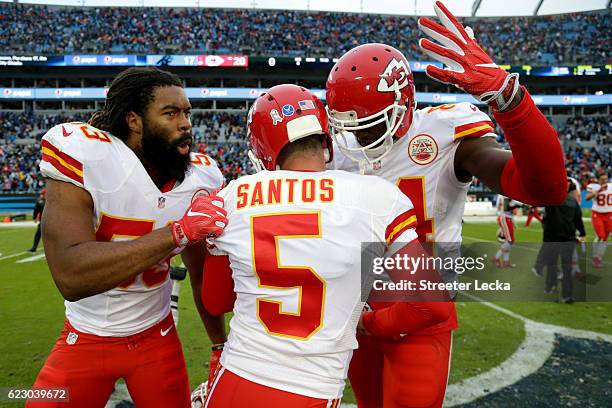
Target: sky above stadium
(408,7)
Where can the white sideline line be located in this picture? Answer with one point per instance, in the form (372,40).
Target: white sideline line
(531,355)
(18,224)
(519,246)
(18,254)
(13,255)
(32,258)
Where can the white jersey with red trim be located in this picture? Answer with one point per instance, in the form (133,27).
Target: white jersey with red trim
(421,163)
(506,206)
(602,202)
(127,204)
(294,241)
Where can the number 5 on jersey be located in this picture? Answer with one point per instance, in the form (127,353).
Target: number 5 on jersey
(266,230)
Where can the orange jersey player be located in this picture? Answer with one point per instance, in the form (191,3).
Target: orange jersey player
(432,155)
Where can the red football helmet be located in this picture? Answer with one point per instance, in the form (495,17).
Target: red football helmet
(370,84)
(280,116)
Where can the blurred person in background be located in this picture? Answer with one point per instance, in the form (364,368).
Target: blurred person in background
(38,209)
(533,212)
(505,219)
(560,224)
(601,216)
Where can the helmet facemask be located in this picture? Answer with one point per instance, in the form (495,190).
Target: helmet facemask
(341,122)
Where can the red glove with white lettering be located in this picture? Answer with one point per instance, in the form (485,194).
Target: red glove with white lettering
(204,218)
(468,67)
(213,364)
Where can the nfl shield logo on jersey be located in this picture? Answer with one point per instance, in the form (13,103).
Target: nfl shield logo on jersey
(161,202)
(423,149)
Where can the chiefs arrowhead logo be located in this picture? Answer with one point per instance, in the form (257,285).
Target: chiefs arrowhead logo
(395,77)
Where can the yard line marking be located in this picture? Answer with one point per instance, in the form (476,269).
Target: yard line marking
(519,246)
(13,255)
(32,258)
(530,356)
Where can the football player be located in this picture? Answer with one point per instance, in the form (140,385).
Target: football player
(124,195)
(533,212)
(432,155)
(36,215)
(294,246)
(505,220)
(601,216)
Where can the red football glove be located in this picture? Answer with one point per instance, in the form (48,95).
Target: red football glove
(204,218)
(468,67)
(213,363)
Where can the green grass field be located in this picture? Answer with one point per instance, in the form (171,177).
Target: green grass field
(31,315)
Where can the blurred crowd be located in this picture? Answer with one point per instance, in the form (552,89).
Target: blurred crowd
(597,129)
(19,171)
(580,38)
(222,135)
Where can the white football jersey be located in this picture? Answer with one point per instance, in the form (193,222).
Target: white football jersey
(602,202)
(505,206)
(421,164)
(294,241)
(127,204)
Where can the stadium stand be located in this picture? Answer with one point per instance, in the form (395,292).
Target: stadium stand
(579,38)
(587,142)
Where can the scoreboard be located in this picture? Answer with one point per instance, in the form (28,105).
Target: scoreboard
(265,62)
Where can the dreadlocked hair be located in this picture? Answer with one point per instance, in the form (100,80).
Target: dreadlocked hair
(131,90)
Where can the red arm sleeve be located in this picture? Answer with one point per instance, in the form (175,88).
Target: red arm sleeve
(406,317)
(412,311)
(218,294)
(536,172)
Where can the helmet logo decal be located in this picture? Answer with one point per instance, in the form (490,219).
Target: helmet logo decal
(305,105)
(276,117)
(395,77)
(250,114)
(288,110)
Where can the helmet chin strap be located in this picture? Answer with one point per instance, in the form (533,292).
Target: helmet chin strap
(257,163)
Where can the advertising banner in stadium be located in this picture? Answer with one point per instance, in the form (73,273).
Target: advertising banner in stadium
(118,60)
(252,93)
(243,61)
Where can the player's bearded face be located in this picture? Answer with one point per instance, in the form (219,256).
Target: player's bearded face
(162,151)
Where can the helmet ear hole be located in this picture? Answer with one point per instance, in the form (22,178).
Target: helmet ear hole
(354,68)
(375,59)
